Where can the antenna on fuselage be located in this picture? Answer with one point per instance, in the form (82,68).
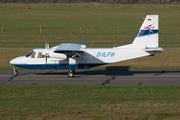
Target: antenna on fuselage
(91,44)
(114,45)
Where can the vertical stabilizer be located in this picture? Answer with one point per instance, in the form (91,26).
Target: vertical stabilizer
(147,36)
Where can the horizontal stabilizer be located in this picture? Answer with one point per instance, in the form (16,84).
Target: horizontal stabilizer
(70,48)
(153,49)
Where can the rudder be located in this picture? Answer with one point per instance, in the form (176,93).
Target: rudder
(147,36)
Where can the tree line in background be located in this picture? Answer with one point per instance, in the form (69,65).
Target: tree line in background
(100,1)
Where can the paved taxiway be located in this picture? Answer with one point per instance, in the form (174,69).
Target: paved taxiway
(90,77)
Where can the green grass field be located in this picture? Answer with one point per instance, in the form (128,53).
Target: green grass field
(90,102)
(61,23)
(99,23)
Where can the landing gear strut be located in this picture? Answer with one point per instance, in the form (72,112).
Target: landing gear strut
(71,74)
(15,72)
(72,66)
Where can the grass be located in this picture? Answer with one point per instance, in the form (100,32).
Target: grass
(98,22)
(90,102)
(61,23)
(168,60)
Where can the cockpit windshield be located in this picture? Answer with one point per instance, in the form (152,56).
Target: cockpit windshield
(31,54)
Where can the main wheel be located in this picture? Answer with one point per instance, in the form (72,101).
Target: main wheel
(70,74)
(15,72)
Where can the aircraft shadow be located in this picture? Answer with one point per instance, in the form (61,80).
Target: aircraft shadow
(110,71)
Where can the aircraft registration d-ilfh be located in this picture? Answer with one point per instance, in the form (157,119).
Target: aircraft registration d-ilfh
(76,56)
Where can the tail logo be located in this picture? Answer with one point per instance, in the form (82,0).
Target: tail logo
(149,27)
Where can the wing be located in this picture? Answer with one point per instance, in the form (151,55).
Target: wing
(70,48)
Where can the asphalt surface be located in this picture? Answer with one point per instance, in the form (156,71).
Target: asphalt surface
(90,77)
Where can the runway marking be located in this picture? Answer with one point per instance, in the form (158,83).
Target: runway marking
(6,75)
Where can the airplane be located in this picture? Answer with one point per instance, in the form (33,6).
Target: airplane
(76,56)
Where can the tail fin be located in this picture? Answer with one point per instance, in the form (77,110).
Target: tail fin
(147,36)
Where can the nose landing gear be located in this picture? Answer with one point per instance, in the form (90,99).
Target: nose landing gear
(14,72)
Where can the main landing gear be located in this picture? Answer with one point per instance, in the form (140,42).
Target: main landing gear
(14,72)
(71,74)
(72,65)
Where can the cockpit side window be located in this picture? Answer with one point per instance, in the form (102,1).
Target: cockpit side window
(40,55)
(31,54)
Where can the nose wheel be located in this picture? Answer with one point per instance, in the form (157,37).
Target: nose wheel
(14,72)
(71,74)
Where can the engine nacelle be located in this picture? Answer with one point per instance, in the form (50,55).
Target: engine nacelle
(57,55)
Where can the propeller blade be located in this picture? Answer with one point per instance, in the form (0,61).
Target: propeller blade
(46,57)
(47,50)
(46,45)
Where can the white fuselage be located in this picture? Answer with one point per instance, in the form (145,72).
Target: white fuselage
(90,58)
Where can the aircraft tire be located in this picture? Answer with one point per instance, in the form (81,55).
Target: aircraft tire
(71,74)
(15,72)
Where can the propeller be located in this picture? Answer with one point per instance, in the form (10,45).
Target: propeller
(47,50)
(46,57)
(46,45)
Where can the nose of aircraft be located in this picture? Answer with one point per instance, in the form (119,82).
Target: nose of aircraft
(17,60)
(13,61)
